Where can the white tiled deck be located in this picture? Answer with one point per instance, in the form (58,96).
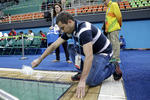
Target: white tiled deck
(109,90)
(112,90)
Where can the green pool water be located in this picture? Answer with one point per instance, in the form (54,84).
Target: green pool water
(33,90)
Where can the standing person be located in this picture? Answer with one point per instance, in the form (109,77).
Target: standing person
(43,6)
(20,33)
(122,42)
(30,36)
(43,40)
(113,23)
(92,44)
(57,9)
(12,33)
(1,35)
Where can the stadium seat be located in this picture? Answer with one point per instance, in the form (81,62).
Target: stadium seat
(100,8)
(121,5)
(127,5)
(35,15)
(3,43)
(95,7)
(79,10)
(29,16)
(89,10)
(36,43)
(68,10)
(133,5)
(104,8)
(27,43)
(5,20)
(71,11)
(145,3)
(138,2)
(85,8)
(18,17)
(18,44)
(141,5)
(38,15)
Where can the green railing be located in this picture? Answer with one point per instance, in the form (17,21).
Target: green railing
(15,45)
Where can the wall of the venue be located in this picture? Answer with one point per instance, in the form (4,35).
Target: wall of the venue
(136,33)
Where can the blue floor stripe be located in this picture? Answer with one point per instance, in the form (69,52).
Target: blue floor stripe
(135,65)
(14,61)
(136,74)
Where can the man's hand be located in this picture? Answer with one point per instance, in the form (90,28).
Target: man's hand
(80,92)
(36,62)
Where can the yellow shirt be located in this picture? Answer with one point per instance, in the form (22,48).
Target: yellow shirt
(113,20)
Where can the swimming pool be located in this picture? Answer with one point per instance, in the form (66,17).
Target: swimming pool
(33,90)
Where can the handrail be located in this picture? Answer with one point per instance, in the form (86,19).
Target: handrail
(18,36)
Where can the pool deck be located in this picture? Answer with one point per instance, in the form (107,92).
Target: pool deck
(108,90)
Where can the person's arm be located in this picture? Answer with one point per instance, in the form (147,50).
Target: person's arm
(117,13)
(51,48)
(88,51)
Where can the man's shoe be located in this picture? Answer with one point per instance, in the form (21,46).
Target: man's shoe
(55,61)
(76,77)
(68,61)
(117,74)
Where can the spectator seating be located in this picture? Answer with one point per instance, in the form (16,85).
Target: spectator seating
(121,5)
(23,17)
(24,6)
(14,45)
(87,9)
(139,3)
(6,4)
(127,5)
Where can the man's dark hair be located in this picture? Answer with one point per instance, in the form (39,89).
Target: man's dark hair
(21,32)
(30,31)
(63,17)
(40,31)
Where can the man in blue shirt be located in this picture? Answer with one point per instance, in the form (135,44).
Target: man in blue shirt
(89,42)
(122,42)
